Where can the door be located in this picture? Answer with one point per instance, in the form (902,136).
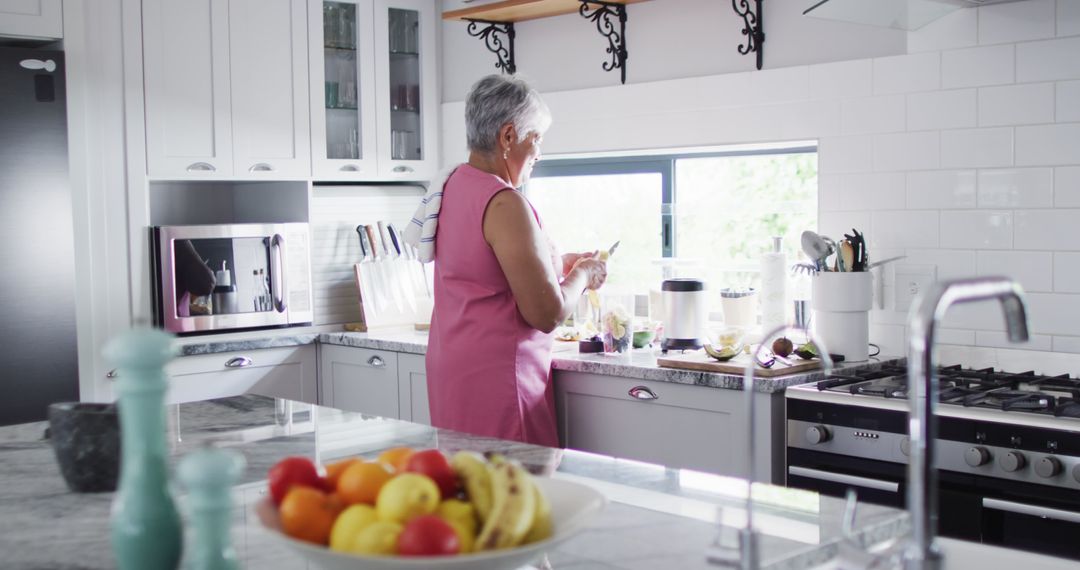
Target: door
(269,77)
(412,388)
(37,340)
(342,68)
(359,380)
(186,75)
(31,19)
(406,91)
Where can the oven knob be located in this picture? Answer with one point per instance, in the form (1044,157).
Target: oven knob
(1013,461)
(1048,467)
(818,434)
(977,456)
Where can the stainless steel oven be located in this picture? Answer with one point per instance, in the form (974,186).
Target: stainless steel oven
(218,278)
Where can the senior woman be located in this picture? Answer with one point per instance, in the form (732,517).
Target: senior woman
(500,286)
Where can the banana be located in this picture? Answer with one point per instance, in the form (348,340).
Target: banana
(513,508)
(542,526)
(471,468)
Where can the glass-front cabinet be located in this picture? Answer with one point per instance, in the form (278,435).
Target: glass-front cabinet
(373,89)
(405,77)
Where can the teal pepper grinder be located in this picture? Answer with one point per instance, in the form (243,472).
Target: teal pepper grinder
(209,474)
(146,531)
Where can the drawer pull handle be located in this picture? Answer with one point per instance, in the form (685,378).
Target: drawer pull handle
(261,167)
(376,362)
(201,167)
(403,169)
(238,362)
(112,374)
(350,168)
(643,393)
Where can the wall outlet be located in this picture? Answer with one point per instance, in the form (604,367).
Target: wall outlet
(911,280)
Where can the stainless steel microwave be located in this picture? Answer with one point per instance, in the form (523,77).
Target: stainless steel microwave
(217,278)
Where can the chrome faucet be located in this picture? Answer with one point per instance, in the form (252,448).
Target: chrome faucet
(922,552)
(747,555)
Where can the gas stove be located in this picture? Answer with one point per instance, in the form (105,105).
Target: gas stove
(1007,450)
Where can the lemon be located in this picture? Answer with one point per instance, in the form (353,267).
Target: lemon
(458,511)
(349,524)
(379,538)
(407,496)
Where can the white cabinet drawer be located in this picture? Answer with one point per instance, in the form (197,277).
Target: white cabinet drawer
(360,380)
(287,372)
(412,388)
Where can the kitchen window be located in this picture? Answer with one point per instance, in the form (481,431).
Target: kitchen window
(705,214)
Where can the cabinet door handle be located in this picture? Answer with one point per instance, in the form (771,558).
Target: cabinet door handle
(850,480)
(350,168)
(201,167)
(1031,510)
(261,167)
(403,169)
(36,64)
(238,362)
(643,393)
(376,362)
(112,374)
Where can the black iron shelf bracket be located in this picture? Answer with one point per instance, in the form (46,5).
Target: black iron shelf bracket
(603,15)
(753,27)
(493,34)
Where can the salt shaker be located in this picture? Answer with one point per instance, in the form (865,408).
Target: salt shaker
(209,474)
(145,525)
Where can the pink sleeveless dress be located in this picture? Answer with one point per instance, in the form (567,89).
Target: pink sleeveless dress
(488,371)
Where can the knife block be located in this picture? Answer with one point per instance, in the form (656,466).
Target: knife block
(388,315)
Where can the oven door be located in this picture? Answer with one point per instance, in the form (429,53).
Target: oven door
(231,277)
(1030,517)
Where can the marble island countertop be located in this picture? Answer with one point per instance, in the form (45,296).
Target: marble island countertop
(641,364)
(656,517)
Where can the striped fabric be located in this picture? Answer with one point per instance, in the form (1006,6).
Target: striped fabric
(420,232)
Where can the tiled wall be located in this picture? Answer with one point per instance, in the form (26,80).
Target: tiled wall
(963,154)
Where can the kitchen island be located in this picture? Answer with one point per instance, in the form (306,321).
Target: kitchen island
(657,517)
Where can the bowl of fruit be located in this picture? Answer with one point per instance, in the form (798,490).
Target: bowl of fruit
(417,509)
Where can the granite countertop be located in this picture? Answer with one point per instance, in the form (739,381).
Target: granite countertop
(656,517)
(641,364)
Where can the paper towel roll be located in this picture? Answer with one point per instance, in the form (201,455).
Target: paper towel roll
(773,288)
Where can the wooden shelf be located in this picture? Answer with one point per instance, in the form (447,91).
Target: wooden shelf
(521,10)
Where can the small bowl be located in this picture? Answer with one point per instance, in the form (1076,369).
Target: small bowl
(643,338)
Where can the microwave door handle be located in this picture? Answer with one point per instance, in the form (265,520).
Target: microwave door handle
(278,244)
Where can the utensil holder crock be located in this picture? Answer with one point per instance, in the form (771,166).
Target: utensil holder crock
(841,303)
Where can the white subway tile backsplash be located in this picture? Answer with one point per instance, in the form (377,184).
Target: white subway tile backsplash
(864,115)
(977,229)
(956,30)
(1048,60)
(1068,100)
(976,67)
(1034,270)
(1067,344)
(1067,274)
(950,263)
(1067,187)
(829,192)
(941,189)
(841,79)
(889,338)
(846,154)
(872,191)
(1053,313)
(1001,340)
(907,151)
(977,148)
(979,316)
(907,73)
(903,229)
(1016,188)
(956,336)
(1017,21)
(954,109)
(1068,18)
(1028,104)
(840,223)
(781,84)
(1054,230)
(1048,144)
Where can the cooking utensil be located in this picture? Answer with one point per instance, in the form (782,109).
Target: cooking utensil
(884,261)
(845,257)
(393,279)
(413,267)
(401,268)
(858,244)
(363,275)
(815,247)
(806,268)
(369,273)
(614,246)
(383,287)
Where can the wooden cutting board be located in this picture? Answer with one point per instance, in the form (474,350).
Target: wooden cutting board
(702,362)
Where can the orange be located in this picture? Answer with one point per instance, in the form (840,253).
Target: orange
(396,457)
(308,514)
(360,483)
(334,471)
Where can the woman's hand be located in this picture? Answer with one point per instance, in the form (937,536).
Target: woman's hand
(595,271)
(569,259)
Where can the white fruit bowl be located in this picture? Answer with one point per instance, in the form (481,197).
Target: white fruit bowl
(572,506)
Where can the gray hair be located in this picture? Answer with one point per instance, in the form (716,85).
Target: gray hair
(496,100)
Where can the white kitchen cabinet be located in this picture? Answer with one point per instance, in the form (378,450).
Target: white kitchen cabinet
(286,372)
(412,388)
(32,19)
(360,380)
(691,427)
(226,88)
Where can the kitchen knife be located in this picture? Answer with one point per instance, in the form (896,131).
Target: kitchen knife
(382,284)
(393,279)
(401,265)
(368,272)
(367,297)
